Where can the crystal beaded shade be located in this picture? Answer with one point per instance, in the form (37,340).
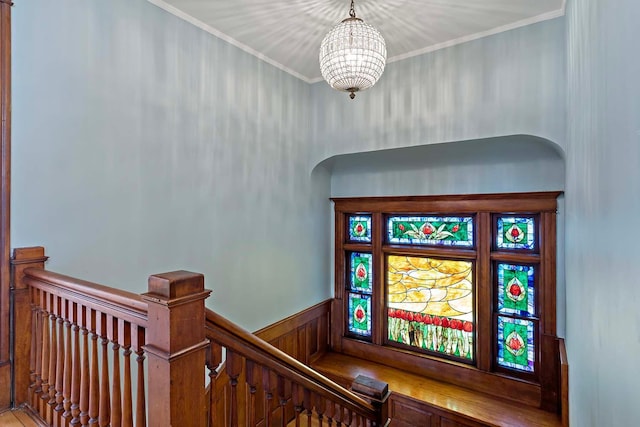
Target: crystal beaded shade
(352,56)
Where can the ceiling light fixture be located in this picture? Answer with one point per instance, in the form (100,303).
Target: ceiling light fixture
(352,55)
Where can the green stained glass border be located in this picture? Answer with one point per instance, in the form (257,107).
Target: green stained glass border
(430,230)
(515,233)
(360,278)
(360,228)
(516,289)
(360,314)
(516,346)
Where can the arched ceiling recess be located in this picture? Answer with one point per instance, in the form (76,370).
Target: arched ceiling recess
(516,163)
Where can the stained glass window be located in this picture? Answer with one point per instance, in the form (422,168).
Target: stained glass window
(360,228)
(516,348)
(430,304)
(430,230)
(360,266)
(516,291)
(360,314)
(515,233)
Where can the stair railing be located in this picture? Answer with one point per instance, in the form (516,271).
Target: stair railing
(74,341)
(262,385)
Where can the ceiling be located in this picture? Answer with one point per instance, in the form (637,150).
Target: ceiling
(288,33)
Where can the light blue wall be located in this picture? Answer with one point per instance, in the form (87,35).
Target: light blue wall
(511,83)
(517,163)
(141,144)
(603,204)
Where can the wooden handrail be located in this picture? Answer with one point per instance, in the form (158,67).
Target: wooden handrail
(123,304)
(247,344)
(66,326)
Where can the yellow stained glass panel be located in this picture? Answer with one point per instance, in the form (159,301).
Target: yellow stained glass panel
(430,286)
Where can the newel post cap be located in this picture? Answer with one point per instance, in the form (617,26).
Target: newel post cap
(175,285)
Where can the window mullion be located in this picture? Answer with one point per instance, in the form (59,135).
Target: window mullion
(379,297)
(484,293)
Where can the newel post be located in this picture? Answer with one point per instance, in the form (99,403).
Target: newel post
(23,316)
(375,391)
(175,349)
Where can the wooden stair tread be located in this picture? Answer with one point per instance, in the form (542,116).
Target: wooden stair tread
(470,404)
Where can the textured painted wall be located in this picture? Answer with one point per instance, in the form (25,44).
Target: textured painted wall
(142,144)
(603,202)
(508,84)
(508,164)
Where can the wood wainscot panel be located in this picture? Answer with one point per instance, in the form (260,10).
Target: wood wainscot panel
(303,335)
(405,412)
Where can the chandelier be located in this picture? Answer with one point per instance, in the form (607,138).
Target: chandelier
(352,55)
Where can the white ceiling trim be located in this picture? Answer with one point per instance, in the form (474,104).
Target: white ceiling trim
(219,34)
(476,36)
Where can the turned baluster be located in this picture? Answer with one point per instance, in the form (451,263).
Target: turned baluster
(282,400)
(330,412)
(104,408)
(319,405)
(127,404)
(116,396)
(58,397)
(234,368)
(349,417)
(268,396)
(308,405)
(37,389)
(94,375)
(53,356)
(337,415)
(297,402)
(84,372)
(44,394)
(34,350)
(141,403)
(76,376)
(116,403)
(251,380)
(68,364)
(213,360)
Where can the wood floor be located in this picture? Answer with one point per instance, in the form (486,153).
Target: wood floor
(17,418)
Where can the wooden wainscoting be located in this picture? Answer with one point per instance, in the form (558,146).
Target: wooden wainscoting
(304,335)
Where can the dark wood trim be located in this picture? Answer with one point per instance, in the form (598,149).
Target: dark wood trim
(465,203)
(564,383)
(126,305)
(484,300)
(5,198)
(337,314)
(438,369)
(539,389)
(430,251)
(379,296)
(22,259)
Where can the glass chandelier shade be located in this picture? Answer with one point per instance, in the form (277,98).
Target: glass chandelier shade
(352,55)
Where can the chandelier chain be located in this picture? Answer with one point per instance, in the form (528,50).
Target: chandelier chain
(352,11)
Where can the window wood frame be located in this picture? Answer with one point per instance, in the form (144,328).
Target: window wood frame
(541,389)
